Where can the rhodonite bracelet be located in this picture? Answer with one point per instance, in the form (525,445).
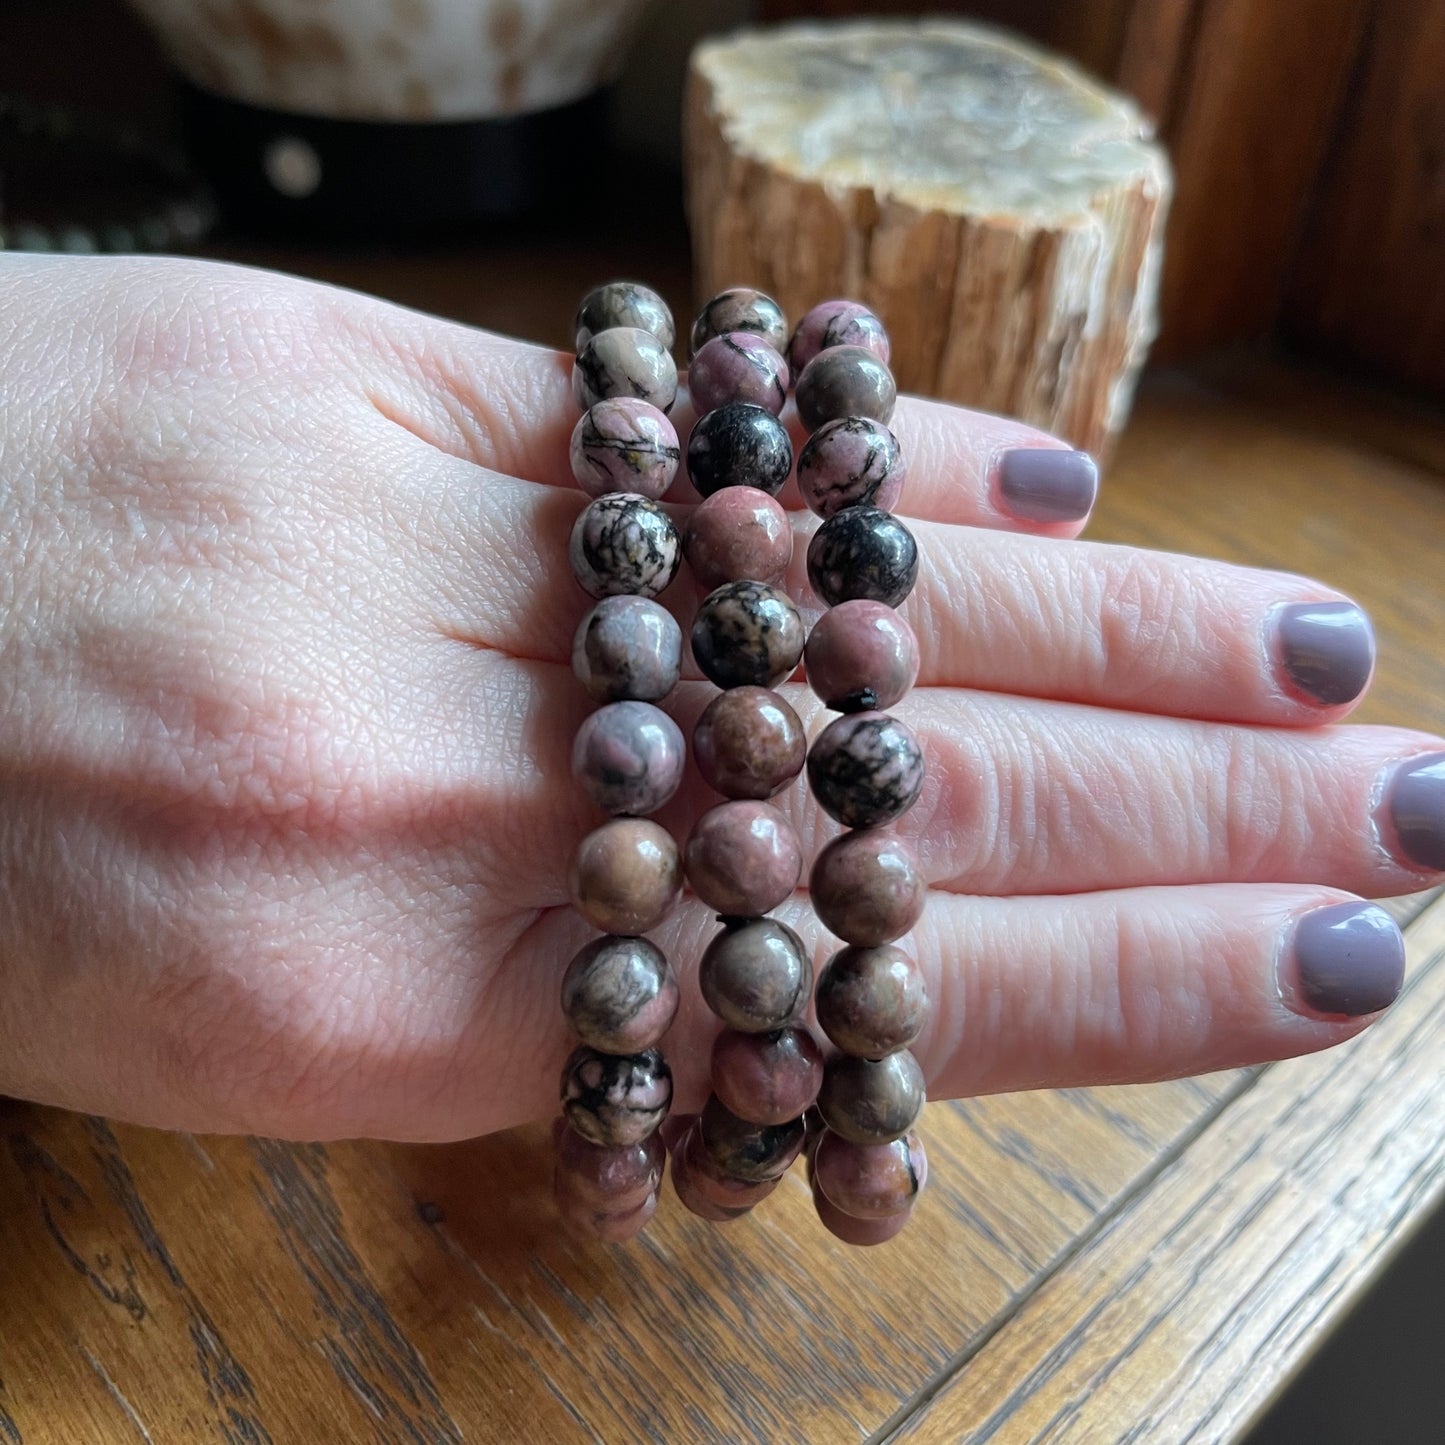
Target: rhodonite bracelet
(743,857)
(619,993)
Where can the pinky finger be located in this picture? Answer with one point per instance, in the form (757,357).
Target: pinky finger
(1146,983)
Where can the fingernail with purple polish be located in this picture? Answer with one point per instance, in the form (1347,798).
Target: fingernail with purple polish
(1327,649)
(1348,960)
(1415,802)
(1044,484)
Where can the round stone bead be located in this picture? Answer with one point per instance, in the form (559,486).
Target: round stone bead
(721,1198)
(624,445)
(755,975)
(740,1149)
(738,534)
(628,757)
(626,876)
(623,303)
(861,656)
(871,1181)
(865,768)
(741,309)
(739,445)
(738,366)
(590,1222)
(686,1184)
(871,1001)
(845,381)
(619,994)
(867,887)
(862,552)
(749,743)
(743,858)
(628,647)
(615,1099)
(837,323)
(624,543)
(857,1232)
(747,634)
(625,361)
(616,1179)
(851,462)
(767,1078)
(870,1101)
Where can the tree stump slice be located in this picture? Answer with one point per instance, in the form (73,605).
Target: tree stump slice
(1000,211)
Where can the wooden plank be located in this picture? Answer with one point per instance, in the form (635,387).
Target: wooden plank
(1247,131)
(1153,52)
(1368,283)
(1182,1317)
(251,1290)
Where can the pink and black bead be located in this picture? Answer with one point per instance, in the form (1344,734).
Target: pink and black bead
(743,858)
(619,994)
(866,769)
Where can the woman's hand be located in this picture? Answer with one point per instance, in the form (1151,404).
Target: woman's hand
(285,717)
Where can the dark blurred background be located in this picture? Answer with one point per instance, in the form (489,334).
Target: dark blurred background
(1308,139)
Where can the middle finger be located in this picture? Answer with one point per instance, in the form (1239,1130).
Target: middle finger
(1115,626)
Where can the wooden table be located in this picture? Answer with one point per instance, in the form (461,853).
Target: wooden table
(1093,1265)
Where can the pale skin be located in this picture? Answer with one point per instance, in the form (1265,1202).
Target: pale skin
(285,712)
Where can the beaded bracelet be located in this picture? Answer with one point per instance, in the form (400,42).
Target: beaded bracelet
(743,858)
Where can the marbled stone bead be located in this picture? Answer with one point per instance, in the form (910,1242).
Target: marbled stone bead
(871,1001)
(743,1150)
(871,1101)
(722,1198)
(741,309)
(686,1183)
(851,462)
(616,1099)
(590,1222)
(865,768)
(862,552)
(623,303)
(738,534)
(747,634)
(738,366)
(845,381)
(749,743)
(625,361)
(861,656)
(756,975)
(628,647)
(857,1232)
(743,858)
(624,445)
(767,1078)
(626,876)
(837,323)
(867,887)
(617,1179)
(619,994)
(871,1181)
(624,543)
(628,757)
(739,445)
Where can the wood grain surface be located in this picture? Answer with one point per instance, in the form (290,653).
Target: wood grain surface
(1125,1263)
(1367,286)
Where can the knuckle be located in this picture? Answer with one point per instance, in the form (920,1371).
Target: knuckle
(1143,624)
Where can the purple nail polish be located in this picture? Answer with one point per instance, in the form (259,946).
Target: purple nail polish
(1043,484)
(1415,801)
(1348,960)
(1327,649)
